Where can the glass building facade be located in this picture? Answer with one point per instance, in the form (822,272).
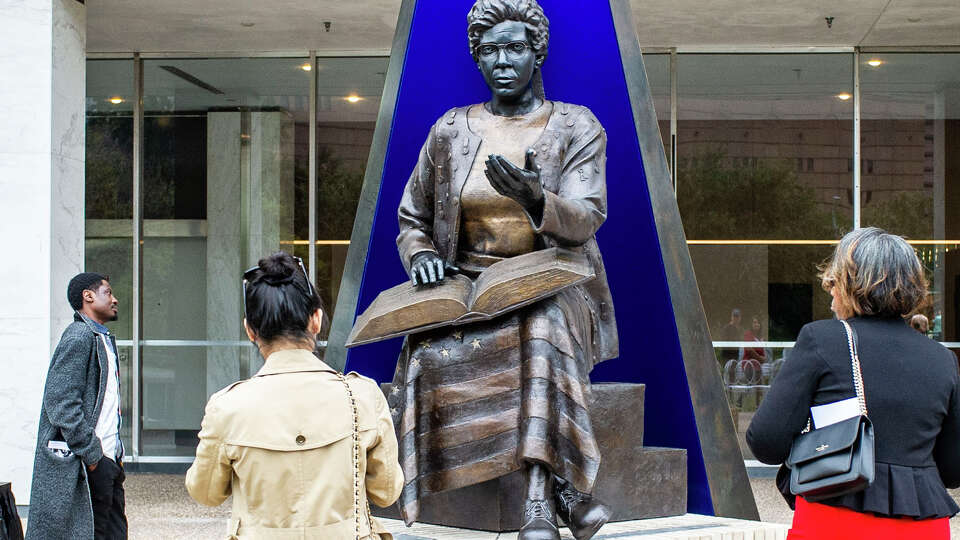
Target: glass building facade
(240,157)
(774,157)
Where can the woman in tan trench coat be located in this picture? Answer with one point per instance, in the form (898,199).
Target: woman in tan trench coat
(300,447)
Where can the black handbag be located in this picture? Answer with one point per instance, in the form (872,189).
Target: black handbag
(836,459)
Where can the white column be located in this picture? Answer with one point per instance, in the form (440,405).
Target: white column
(225,248)
(269,191)
(41,228)
(250,193)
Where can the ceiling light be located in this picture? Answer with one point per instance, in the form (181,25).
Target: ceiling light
(247,24)
(353,98)
(874,62)
(306,67)
(843,96)
(116,100)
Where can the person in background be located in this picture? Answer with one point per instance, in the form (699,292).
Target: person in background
(299,446)
(731,332)
(912,390)
(920,323)
(755,333)
(77,490)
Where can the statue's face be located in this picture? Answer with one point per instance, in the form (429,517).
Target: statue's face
(506,59)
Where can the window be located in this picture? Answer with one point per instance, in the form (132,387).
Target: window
(763,143)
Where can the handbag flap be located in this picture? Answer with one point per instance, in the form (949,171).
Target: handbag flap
(825,441)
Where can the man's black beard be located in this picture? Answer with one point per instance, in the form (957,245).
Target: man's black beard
(113,317)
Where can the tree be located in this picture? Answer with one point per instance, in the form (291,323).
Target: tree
(908,213)
(763,200)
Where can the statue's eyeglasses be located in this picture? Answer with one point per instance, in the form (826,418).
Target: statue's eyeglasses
(514,49)
(249,274)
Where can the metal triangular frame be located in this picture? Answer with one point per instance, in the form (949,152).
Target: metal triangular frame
(729,486)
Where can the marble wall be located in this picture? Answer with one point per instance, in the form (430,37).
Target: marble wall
(225,248)
(41,231)
(250,190)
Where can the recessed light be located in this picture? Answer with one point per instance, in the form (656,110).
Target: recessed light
(914,19)
(353,98)
(306,67)
(247,24)
(874,62)
(116,100)
(843,96)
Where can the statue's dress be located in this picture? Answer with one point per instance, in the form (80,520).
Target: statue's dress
(473,402)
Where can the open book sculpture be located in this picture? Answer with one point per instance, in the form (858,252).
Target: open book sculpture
(501,288)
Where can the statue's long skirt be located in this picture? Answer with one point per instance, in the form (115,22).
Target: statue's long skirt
(472,403)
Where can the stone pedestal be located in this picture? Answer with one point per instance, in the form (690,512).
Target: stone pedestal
(636,482)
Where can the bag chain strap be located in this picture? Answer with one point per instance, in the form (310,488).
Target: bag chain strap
(857,376)
(356,460)
(855,367)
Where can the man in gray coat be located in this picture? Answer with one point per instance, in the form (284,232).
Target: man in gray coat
(78,474)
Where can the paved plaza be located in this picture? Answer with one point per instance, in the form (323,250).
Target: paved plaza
(158,508)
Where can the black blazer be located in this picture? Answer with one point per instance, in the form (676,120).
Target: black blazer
(912,389)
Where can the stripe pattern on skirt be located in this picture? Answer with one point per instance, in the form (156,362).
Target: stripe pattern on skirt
(473,403)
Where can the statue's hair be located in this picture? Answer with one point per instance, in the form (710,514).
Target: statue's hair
(486,14)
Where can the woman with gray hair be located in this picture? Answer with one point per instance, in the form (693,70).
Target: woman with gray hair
(911,385)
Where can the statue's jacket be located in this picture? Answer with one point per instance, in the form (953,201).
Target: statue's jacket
(572,155)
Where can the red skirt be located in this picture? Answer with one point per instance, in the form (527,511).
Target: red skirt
(822,522)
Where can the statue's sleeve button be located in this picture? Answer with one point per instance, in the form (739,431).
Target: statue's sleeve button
(300,440)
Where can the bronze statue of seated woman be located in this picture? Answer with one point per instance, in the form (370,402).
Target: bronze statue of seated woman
(495,180)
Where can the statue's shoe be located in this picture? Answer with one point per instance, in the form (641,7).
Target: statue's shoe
(540,522)
(582,513)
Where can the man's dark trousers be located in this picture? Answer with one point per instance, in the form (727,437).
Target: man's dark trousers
(106,494)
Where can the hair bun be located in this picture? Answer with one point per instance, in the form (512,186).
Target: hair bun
(278,268)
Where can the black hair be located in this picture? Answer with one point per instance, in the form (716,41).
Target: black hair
(86,281)
(279,299)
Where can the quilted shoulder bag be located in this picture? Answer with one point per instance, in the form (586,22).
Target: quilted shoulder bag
(836,459)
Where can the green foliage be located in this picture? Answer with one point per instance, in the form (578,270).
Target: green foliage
(762,201)
(908,213)
(338,193)
(108,168)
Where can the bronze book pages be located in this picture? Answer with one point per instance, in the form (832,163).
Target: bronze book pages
(503,287)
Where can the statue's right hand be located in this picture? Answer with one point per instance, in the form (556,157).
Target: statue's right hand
(426,267)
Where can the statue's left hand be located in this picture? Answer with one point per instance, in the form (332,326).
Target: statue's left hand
(522,185)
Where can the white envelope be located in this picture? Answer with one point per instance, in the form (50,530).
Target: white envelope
(831,413)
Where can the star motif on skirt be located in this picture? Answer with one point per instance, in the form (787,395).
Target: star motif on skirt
(415,362)
(458,335)
(395,390)
(394,411)
(476,344)
(445,352)
(425,344)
